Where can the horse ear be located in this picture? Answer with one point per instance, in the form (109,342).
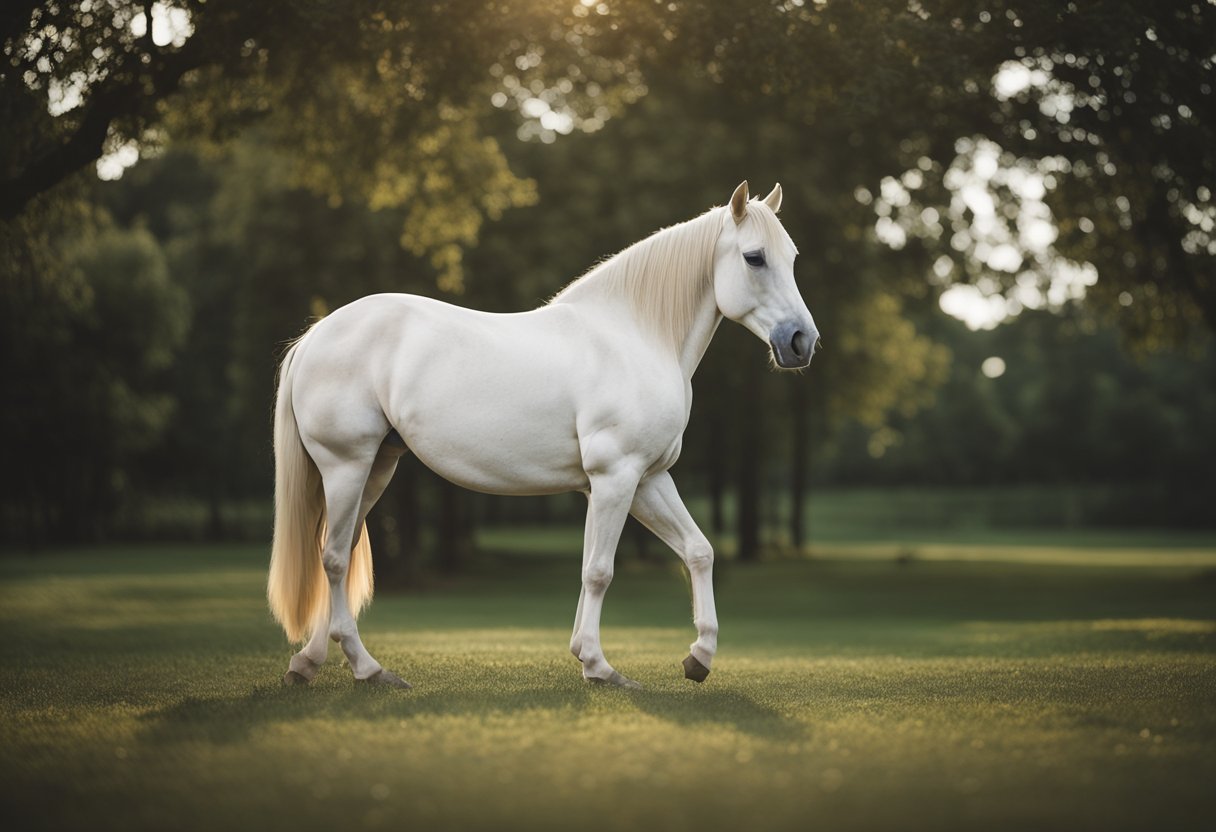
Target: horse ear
(738,202)
(773,200)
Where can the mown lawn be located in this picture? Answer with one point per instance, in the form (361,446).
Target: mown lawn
(139,690)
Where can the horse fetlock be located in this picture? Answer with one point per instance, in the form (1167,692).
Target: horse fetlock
(703,651)
(605,674)
(594,663)
(303,666)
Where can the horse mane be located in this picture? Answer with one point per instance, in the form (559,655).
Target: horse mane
(662,277)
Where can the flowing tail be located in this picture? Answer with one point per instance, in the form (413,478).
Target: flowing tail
(298,588)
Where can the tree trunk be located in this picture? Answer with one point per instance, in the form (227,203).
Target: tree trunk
(747,488)
(455,533)
(394,528)
(717,476)
(798,464)
(215,514)
(125,93)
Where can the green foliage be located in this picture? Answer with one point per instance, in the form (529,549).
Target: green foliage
(315,152)
(371,101)
(86,351)
(1118,96)
(1071,407)
(135,314)
(386,101)
(259,256)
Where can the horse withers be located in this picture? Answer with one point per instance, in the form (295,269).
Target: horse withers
(590,392)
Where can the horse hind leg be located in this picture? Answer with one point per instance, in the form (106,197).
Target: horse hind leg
(381,475)
(390,453)
(305,664)
(346,482)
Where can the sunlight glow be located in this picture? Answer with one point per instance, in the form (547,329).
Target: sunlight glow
(65,95)
(170,25)
(974,308)
(993,366)
(999,224)
(112,165)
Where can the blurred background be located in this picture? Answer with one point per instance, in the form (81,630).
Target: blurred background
(1004,211)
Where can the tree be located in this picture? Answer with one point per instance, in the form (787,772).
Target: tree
(346,147)
(384,101)
(369,100)
(1069,408)
(1119,96)
(85,352)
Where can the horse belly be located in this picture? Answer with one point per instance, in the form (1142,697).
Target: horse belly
(499,463)
(502,429)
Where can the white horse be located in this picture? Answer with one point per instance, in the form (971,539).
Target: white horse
(591,392)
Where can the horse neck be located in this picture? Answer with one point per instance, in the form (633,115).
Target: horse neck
(704,325)
(613,288)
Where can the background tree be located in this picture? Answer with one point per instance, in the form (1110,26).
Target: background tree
(299,156)
(1117,95)
(85,344)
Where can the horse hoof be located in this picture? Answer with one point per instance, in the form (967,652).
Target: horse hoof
(694,670)
(291,679)
(386,678)
(615,680)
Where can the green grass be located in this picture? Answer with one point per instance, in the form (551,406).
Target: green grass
(139,690)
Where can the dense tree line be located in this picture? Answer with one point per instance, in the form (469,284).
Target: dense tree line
(301,155)
(1070,406)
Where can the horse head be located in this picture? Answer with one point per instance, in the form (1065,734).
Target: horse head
(754,279)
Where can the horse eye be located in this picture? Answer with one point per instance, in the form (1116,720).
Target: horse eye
(755,259)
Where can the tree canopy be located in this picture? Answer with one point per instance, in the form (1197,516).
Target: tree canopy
(298,155)
(1106,105)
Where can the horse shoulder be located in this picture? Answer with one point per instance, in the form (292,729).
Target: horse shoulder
(634,403)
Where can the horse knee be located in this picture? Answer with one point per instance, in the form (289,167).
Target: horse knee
(699,556)
(597,578)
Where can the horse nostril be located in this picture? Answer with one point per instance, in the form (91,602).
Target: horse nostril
(799,343)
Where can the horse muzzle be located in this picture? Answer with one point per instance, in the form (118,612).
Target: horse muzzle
(793,343)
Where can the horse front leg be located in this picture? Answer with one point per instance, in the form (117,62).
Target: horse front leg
(657,505)
(607,509)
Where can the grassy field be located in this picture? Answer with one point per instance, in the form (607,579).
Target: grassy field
(979,686)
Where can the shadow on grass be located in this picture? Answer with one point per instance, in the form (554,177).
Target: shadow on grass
(233,719)
(719,706)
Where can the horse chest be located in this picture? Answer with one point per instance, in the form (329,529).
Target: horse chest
(641,421)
